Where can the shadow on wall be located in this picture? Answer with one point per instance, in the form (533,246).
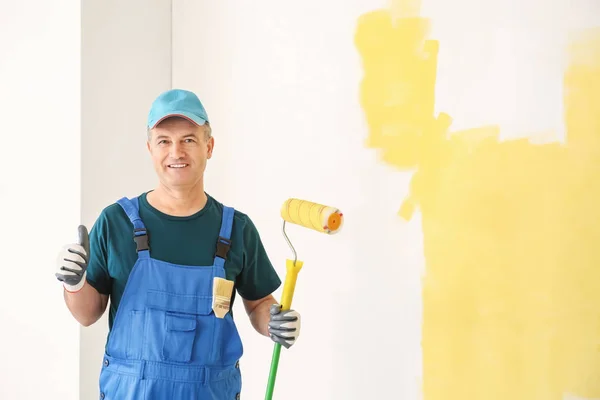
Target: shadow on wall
(511,295)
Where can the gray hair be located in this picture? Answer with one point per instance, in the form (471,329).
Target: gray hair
(206,127)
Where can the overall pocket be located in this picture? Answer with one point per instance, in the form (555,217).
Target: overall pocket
(179,337)
(178,327)
(135,334)
(227,345)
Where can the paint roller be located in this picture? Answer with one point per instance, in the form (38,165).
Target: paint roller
(318,217)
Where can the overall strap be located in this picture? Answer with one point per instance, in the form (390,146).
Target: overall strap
(224,241)
(140,234)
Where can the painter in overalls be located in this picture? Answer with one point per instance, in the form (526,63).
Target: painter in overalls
(171,260)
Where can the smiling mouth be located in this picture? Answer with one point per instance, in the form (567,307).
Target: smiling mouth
(177,165)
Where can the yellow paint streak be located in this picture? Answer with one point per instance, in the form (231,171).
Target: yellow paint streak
(511,295)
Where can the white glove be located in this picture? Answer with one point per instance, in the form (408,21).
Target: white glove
(72,262)
(284,326)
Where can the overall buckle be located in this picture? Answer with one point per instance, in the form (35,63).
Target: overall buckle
(223,246)
(141,241)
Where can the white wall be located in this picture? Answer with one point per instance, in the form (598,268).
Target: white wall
(39,195)
(280,83)
(126,62)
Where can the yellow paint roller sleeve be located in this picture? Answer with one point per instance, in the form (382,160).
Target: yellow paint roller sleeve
(311,215)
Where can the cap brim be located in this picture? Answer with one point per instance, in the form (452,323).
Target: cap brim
(189,116)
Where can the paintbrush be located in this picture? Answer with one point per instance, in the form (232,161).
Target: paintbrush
(222,291)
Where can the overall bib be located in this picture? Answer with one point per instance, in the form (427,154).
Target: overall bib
(166,342)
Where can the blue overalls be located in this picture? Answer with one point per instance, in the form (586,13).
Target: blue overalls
(166,342)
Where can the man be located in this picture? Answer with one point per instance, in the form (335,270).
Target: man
(171,261)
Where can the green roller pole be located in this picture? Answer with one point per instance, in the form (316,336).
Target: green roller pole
(273,371)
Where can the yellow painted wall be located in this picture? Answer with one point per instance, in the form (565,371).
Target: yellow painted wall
(511,292)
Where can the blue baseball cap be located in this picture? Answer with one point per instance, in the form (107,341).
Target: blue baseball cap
(177,103)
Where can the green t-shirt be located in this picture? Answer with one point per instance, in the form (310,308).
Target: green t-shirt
(190,240)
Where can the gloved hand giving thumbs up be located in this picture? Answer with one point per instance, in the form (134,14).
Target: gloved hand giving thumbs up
(73,260)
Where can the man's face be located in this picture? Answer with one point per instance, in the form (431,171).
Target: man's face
(179,151)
